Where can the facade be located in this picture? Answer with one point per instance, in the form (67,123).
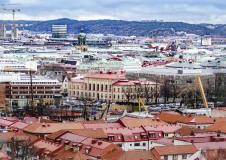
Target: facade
(18,92)
(2,31)
(59,31)
(106,86)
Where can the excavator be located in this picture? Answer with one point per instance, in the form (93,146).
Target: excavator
(140,103)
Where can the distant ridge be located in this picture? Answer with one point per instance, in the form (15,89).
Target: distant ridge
(127,28)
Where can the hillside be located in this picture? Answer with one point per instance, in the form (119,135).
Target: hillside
(126,28)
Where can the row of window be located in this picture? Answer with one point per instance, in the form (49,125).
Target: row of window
(34,83)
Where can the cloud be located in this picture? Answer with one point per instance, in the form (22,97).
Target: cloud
(192,11)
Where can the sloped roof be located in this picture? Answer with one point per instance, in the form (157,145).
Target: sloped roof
(175,150)
(48,128)
(186,130)
(137,122)
(129,155)
(219,126)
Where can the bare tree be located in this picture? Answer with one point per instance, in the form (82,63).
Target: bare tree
(175,91)
(148,91)
(128,92)
(22,148)
(166,90)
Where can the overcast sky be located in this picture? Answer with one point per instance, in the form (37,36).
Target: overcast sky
(191,11)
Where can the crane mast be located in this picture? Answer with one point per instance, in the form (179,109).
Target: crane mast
(202,91)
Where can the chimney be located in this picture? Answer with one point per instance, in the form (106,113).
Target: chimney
(218,133)
(192,133)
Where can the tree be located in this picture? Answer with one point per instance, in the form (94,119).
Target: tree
(166,90)
(128,92)
(175,91)
(148,92)
(22,148)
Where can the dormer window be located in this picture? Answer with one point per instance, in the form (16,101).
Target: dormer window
(135,137)
(119,137)
(87,149)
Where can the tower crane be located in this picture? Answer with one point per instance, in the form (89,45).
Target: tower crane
(13,26)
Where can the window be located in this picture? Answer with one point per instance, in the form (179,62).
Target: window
(144,144)
(130,144)
(152,135)
(166,135)
(135,137)
(136,144)
(111,138)
(175,157)
(165,157)
(184,156)
(119,137)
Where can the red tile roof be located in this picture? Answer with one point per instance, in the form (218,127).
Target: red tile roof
(103,125)
(5,123)
(219,126)
(3,156)
(47,147)
(175,150)
(99,148)
(129,155)
(186,130)
(72,138)
(164,128)
(63,155)
(210,145)
(126,134)
(19,125)
(47,128)
(137,122)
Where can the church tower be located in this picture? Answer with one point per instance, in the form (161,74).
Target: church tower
(82,42)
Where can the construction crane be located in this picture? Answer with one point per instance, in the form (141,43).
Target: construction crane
(13,25)
(199,81)
(140,103)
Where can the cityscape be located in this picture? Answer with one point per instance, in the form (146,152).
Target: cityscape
(112,80)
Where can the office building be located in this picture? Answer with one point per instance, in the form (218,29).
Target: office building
(59,31)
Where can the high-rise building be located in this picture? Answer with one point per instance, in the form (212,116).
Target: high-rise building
(2,31)
(59,31)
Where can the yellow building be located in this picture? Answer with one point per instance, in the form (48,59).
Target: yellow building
(111,86)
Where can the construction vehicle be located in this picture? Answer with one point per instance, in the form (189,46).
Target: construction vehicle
(140,103)
(199,81)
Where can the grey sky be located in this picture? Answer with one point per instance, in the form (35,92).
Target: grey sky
(192,11)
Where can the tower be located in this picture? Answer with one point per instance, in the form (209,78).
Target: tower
(82,42)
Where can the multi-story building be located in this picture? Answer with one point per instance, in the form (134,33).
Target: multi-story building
(108,86)
(59,31)
(2,31)
(20,89)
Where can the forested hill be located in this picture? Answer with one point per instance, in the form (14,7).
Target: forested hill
(127,28)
